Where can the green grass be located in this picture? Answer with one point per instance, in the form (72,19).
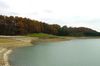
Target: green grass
(42,35)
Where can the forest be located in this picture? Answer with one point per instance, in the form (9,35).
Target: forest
(14,25)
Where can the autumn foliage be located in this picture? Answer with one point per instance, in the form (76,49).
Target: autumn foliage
(20,26)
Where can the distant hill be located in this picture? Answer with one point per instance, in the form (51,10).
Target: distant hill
(21,26)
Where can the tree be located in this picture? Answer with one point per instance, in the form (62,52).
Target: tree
(63,31)
(18,26)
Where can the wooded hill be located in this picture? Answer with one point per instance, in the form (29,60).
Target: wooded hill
(21,26)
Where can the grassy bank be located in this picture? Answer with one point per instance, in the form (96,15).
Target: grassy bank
(26,40)
(47,37)
(42,35)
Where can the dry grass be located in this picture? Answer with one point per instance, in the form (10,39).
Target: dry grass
(14,42)
(20,41)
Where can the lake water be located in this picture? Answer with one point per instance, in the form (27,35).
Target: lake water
(79,52)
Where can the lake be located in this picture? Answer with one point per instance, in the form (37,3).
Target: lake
(79,52)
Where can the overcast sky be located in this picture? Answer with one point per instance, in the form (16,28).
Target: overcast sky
(63,12)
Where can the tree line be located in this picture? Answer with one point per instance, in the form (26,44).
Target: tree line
(10,25)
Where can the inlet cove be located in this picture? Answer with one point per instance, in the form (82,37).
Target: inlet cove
(77,52)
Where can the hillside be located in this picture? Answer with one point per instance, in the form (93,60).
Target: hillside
(22,26)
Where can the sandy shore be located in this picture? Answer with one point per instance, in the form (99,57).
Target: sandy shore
(7,43)
(4,53)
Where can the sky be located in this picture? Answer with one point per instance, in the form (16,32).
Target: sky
(76,13)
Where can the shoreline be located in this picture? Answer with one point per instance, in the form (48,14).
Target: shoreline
(8,43)
(23,41)
(4,56)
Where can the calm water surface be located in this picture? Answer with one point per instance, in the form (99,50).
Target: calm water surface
(80,52)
